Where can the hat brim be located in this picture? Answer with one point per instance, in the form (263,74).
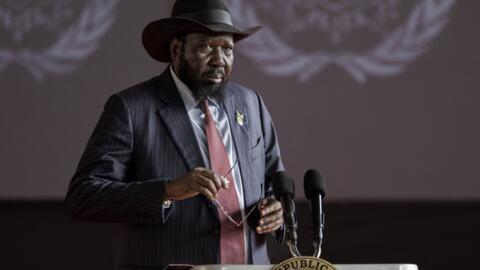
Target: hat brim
(157,34)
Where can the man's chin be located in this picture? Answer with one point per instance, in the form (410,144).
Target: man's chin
(209,89)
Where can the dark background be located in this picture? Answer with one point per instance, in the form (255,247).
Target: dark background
(400,153)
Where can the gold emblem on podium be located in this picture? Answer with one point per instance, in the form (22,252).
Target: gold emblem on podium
(304,263)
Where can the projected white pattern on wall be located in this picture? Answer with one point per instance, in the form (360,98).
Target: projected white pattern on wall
(368,38)
(70,33)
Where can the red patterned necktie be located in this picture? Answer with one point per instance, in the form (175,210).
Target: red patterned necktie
(232,241)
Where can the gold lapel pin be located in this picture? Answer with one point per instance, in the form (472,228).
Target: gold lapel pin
(240,118)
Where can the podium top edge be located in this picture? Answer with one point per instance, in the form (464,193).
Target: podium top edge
(337,266)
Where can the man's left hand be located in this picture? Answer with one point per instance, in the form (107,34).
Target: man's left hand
(271,216)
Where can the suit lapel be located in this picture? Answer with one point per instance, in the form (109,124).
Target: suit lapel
(177,121)
(234,105)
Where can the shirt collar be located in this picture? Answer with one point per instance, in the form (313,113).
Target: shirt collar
(185,92)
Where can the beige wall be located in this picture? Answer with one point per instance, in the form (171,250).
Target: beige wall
(411,135)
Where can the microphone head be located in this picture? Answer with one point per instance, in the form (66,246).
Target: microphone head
(313,184)
(283,185)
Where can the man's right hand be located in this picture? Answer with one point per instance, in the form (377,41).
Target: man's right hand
(199,180)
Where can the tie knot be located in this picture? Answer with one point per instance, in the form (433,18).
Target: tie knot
(206,111)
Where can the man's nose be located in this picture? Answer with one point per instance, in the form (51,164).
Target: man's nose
(218,58)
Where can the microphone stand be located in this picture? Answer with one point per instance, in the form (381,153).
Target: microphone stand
(291,227)
(318,238)
(293,249)
(296,253)
(318,249)
(318,235)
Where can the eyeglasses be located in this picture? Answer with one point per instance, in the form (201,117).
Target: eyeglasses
(225,212)
(231,169)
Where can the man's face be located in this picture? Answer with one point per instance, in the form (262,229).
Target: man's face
(204,63)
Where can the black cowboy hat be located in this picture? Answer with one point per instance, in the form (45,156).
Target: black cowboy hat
(188,16)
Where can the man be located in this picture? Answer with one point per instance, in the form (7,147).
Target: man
(179,161)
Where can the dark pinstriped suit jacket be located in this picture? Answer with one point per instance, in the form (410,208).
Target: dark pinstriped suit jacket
(143,138)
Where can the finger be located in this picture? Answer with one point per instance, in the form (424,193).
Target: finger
(213,177)
(263,203)
(272,221)
(201,181)
(271,208)
(272,218)
(208,184)
(218,181)
(225,182)
(203,190)
(270,228)
(199,170)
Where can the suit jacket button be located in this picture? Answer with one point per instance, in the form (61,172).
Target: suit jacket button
(215,232)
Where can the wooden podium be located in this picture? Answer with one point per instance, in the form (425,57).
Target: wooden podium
(268,267)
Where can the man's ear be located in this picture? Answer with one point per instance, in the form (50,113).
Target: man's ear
(175,47)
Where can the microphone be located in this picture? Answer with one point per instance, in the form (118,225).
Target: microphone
(284,190)
(314,187)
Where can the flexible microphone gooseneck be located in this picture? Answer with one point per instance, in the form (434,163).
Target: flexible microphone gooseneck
(284,190)
(314,187)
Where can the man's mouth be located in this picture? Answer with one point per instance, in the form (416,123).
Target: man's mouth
(216,76)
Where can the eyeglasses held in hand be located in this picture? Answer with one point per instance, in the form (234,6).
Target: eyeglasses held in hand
(225,212)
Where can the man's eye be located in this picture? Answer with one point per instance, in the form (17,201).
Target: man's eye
(228,51)
(206,48)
